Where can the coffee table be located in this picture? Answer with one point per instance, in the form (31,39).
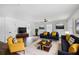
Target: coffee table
(46,46)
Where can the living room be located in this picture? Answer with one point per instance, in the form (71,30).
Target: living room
(41,27)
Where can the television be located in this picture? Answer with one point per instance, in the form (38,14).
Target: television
(22,30)
(59,26)
(41,27)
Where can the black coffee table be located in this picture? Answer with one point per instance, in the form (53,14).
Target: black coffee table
(46,46)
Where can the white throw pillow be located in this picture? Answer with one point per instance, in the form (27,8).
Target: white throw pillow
(71,41)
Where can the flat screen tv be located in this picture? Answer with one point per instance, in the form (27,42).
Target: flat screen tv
(22,30)
(59,26)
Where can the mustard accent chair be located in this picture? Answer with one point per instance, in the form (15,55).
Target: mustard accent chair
(15,46)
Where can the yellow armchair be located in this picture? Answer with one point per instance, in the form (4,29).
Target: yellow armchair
(15,46)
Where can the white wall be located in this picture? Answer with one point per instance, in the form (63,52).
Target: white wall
(2,29)
(49,28)
(36,25)
(60,31)
(71,22)
(9,26)
(53,28)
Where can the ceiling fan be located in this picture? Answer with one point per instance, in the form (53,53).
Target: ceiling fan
(45,20)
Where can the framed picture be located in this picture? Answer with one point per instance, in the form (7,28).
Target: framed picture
(41,27)
(59,26)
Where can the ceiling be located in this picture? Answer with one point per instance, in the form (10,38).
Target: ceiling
(38,12)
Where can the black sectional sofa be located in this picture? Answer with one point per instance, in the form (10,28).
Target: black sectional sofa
(65,45)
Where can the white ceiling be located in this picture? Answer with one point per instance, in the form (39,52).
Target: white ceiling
(37,12)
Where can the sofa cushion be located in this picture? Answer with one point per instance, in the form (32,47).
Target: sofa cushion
(45,33)
(53,33)
(67,37)
(65,45)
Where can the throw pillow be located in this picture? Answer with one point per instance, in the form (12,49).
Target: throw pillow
(71,40)
(53,33)
(45,33)
(73,48)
